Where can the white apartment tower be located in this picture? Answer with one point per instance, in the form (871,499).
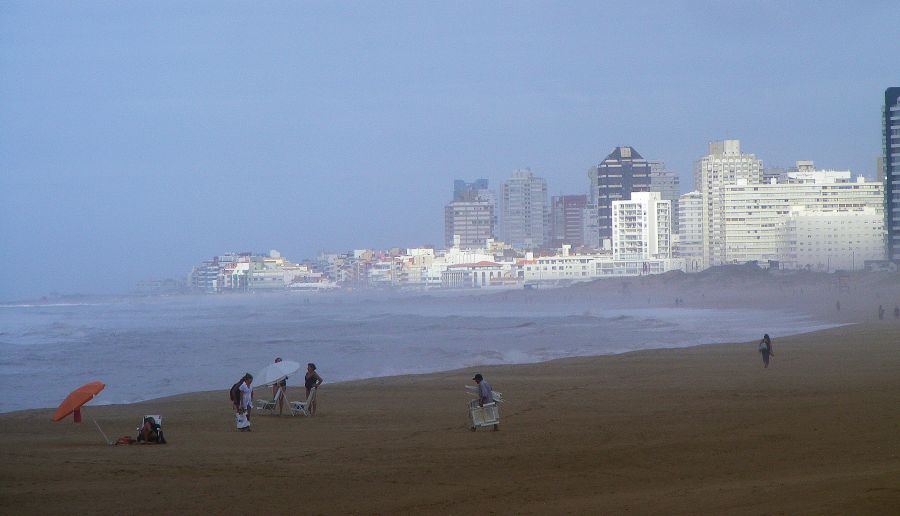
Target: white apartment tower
(724,166)
(642,227)
(810,213)
(524,212)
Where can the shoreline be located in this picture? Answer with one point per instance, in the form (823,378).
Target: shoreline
(701,429)
(829,325)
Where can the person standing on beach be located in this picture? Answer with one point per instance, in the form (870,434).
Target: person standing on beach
(765,349)
(485,394)
(312,381)
(282,384)
(880,312)
(246,397)
(896,312)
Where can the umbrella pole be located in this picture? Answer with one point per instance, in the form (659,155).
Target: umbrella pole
(101,431)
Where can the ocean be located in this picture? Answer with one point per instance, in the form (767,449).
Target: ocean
(145,348)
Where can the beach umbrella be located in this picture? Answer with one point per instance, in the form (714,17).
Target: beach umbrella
(75,400)
(275,372)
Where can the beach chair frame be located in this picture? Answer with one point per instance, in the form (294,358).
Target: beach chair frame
(264,406)
(302,407)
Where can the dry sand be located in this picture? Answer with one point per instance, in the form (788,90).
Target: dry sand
(698,430)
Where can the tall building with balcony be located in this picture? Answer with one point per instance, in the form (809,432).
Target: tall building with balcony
(615,178)
(567,220)
(471,217)
(642,227)
(524,213)
(758,220)
(833,240)
(891,163)
(724,166)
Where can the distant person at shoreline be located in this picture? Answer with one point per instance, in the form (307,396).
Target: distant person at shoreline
(765,349)
(880,312)
(312,381)
(283,386)
(837,305)
(896,312)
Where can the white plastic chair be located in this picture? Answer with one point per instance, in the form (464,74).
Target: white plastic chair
(269,406)
(302,407)
(489,414)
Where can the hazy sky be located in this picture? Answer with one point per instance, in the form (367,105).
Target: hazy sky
(139,138)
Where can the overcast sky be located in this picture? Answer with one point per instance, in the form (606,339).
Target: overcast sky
(139,138)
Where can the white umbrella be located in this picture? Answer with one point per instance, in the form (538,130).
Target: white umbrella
(274,372)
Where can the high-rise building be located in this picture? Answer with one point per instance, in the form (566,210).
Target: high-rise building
(567,220)
(642,228)
(463,191)
(725,165)
(668,185)
(890,142)
(524,214)
(757,216)
(690,231)
(833,240)
(471,217)
(591,233)
(622,172)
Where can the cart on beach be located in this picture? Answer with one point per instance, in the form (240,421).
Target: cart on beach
(489,414)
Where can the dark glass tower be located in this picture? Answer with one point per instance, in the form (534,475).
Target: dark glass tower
(891,145)
(622,172)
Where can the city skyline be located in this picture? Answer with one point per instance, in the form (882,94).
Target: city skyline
(136,141)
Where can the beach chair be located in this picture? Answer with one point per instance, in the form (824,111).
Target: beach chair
(269,406)
(489,414)
(156,421)
(302,407)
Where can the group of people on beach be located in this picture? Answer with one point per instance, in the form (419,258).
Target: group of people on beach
(242,394)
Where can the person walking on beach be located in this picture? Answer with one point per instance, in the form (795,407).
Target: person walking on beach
(312,381)
(765,349)
(282,384)
(880,312)
(246,399)
(485,394)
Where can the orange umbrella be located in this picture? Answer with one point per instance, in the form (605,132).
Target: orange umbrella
(76,399)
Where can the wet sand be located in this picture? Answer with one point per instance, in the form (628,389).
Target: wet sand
(697,430)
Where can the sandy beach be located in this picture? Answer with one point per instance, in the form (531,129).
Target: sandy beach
(696,430)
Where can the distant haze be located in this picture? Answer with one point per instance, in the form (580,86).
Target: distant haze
(137,139)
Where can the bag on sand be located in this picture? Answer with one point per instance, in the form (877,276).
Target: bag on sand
(241,421)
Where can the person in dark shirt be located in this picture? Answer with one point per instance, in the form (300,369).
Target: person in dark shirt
(312,381)
(765,349)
